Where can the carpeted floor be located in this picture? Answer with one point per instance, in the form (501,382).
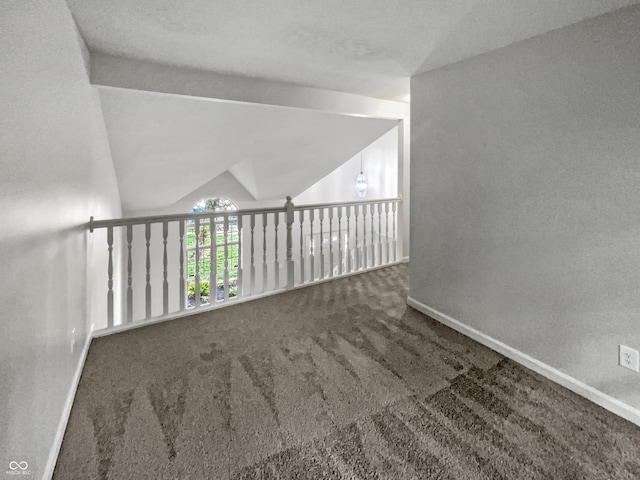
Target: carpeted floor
(337,380)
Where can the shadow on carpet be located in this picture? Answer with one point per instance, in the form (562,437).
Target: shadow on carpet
(337,380)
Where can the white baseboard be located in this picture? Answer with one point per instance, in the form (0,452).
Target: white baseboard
(596,396)
(62,426)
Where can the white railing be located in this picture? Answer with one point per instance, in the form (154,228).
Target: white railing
(190,262)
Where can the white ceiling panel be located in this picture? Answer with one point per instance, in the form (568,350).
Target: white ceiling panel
(369,47)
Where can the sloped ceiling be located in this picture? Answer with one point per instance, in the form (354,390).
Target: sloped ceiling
(165,147)
(169,147)
(368,47)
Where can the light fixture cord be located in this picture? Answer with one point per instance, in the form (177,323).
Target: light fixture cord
(360,161)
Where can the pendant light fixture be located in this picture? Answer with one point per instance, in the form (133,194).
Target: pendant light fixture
(361,181)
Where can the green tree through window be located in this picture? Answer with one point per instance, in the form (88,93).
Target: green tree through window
(225,250)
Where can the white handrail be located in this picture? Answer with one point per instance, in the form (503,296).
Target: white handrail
(121,222)
(347,204)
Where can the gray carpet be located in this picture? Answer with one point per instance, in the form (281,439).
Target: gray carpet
(337,380)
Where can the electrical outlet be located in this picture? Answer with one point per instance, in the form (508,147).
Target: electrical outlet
(629,358)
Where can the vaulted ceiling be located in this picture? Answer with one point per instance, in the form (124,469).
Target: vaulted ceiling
(166,147)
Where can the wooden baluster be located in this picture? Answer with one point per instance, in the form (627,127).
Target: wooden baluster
(226,257)
(339,208)
(395,247)
(289,217)
(110,278)
(253,266)
(239,277)
(264,252)
(301,219)
(321,216)
(147,235)
(380,233)
(197,263)
(276,221)
(386,237)
(330,241)
(181,282)
(165,275)
(129,276)
(364,236)
(356,255)
(372,243)
(213,270)
(348,252)
(312,248)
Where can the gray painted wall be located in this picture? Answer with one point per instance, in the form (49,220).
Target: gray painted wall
(55,171)
(525,188)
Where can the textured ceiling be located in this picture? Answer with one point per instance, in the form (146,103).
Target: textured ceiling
(369,47)
(166,147)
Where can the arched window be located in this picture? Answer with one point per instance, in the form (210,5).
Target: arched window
(222,246)
(214,204)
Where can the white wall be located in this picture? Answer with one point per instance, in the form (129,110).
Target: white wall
(525,187)
(380,161)
(55,171)
(380,165)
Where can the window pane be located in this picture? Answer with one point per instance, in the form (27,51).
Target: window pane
(220,259)
(191,295)
(205,261)
(204,291)
(233,284)
(191,264)
(191,237)
(204,238)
